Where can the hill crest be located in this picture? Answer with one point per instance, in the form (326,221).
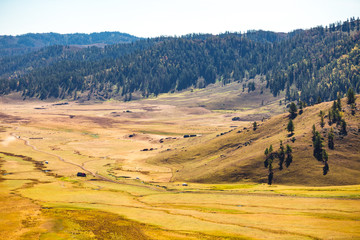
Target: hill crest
(238,155)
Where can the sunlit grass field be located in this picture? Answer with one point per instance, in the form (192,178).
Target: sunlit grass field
(129,193)
(57,208)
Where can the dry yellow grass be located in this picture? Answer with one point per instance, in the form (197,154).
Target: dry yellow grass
(237,156)
(110,203)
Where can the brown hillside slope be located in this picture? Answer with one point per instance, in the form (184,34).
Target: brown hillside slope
(239,156)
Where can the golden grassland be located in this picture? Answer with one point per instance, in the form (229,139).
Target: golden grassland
(130,193)
(238,155)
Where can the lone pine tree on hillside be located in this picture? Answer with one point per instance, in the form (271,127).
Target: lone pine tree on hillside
(281,155)
(325,160)
(289,156)
(290,127)
(343,127)
(318,146)
(293,110)
(255,126)
(351,96)
(331,139)
(322,123)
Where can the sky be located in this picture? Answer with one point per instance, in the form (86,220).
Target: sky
(151,18)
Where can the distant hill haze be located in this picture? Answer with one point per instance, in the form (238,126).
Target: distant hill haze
(15,45)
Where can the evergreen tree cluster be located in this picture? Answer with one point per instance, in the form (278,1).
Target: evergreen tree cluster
(319,152)
(336,116)
(319,63)
(283,154)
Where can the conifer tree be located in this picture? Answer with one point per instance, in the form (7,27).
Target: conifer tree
(281,155)
(293,110)
(313,132)
(351,96)
(343,127)
(268,164)
(290,127)
(289,156)
(330,116)
(325,168)
(270,156)
(339,103)
(255,126)
(331,139)
(335,114)
(325,160)
(318,146)
(271,174)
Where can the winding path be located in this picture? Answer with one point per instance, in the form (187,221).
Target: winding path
(27,143)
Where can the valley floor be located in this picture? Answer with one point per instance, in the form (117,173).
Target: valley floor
(123,196)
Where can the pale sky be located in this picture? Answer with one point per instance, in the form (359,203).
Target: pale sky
(150,18)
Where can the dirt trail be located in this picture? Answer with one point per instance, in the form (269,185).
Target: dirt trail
(27,143)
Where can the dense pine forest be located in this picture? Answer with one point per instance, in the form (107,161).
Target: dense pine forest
(311,65)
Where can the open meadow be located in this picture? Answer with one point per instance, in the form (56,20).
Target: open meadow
(137,161)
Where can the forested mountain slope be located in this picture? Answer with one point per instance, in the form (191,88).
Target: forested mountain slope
(314,65)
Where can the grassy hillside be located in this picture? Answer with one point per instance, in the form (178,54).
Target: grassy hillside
(220,97)
(239,154)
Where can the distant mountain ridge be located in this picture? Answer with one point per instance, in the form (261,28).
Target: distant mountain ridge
(21,44)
